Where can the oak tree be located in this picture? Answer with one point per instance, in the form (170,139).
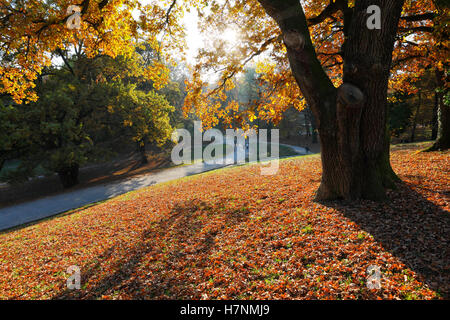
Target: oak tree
(318,53)
(343,69)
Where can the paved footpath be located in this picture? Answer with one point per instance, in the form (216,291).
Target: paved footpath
(35,210)
(17,215)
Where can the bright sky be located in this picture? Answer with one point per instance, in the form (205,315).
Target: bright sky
(194,39)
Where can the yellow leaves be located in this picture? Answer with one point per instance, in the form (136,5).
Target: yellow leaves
(128,123)
(265,66)
(229,85)
(159,74)
(114,31)
(299,104)
(110,31)
(232,106)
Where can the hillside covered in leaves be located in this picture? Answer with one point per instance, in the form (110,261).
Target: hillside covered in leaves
(245,236)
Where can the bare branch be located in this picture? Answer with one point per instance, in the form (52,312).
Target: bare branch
(419,17)
(328,12)
(416,29)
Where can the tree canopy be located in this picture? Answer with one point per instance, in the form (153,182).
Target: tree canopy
(83,108)
(31,31)
(319,54)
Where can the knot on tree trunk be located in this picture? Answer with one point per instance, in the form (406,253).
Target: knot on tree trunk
(294,40)
(350,101)
(350,96)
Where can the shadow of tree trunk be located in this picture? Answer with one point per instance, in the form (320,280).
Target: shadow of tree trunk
(182,224)
(414,230)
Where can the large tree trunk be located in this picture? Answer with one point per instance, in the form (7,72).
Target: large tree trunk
(352,120)
(443,134)
(69,176)
(354,166)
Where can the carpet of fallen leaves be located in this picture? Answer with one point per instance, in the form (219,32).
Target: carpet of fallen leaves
(234,234)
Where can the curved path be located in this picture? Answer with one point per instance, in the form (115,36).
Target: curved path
(35,210)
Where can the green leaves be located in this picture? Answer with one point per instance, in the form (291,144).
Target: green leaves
(80,112)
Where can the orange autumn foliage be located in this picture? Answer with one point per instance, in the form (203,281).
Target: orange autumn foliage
(246,236)
(32,31)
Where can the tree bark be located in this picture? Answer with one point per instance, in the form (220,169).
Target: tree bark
(351,120)
(69,176)
(443,141)
(443,134)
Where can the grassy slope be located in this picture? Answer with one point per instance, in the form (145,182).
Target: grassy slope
(236,234)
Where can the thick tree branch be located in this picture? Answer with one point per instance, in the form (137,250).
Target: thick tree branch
(332,8)
(399,61)
(103,4)
(312,79)
(84,8)
(416,29)
(419,17)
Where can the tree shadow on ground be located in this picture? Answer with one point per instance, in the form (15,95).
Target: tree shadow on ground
(182,224)
(412,228)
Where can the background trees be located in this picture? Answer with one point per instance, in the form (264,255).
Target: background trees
(85,107)
(147,115)
(413,116)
